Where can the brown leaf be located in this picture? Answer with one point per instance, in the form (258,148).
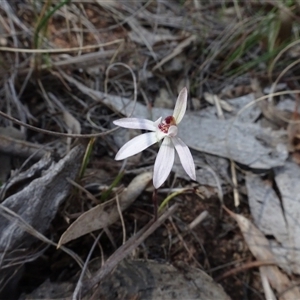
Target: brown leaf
(259,246)
(72,123)
(104,215)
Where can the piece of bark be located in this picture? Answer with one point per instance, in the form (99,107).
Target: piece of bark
(38,202)
(19,180)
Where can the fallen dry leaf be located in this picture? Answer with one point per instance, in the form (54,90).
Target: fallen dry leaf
(276,213)
(259,246)
(266,208)
(104,215)
(72,123)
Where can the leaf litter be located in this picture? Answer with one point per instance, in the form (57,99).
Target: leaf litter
(276,214)
(169,46)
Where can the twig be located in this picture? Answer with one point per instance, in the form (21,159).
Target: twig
(79,282)
(155,206)
(54,133)
(235,184)
(246,266)
(133,79)
(126,249)
(62,50)
(121,218)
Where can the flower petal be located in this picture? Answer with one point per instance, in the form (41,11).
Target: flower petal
(185,157)
(136,145)
(135,123)
(173,130)
(160,135)
(164,162)
(180,106)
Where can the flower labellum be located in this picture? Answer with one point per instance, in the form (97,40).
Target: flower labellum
(165,130)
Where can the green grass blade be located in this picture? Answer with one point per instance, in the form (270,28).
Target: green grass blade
(45,20)
(86,157)
(105,195)
(171,196)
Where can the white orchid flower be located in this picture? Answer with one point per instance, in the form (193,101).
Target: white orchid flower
(161,129)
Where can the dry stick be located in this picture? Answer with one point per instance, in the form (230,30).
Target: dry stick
(126,249)
(250,265)
(58,51)
(79,282)
(89,195)
(54,133)
(155,206)
(121,219)
(236,196)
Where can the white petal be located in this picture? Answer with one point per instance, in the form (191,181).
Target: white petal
(160,135)
(163,163)
(136,145)
(173,130)
(180,106)
(185,157)
(135,123)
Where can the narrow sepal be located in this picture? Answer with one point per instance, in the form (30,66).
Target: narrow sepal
(185,157)
(135,123)
(136,145)
(163,163)
(180,106)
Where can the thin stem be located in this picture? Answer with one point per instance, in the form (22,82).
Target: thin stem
(155,206)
